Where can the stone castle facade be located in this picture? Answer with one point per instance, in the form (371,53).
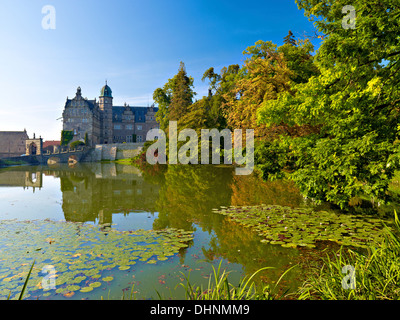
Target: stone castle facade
(100,122)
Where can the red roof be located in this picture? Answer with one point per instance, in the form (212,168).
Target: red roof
(51,143)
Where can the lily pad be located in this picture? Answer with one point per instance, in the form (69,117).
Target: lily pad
(124,267)
(95,284)
(304,227)
(73,288)
(76,251)
(107,279)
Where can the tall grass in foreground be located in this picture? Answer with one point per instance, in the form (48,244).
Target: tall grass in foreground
(377,273)
(219,288)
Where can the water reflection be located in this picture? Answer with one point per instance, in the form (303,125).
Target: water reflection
(26,178)
(171,196)
(182,195)
(93,193)
(176,197)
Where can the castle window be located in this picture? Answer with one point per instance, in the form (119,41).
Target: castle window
(139,127)
(129,127)
(117,127)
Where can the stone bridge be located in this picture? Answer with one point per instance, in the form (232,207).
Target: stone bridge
(63,155)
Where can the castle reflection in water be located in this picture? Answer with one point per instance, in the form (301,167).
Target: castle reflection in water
(178,195)
(90,192)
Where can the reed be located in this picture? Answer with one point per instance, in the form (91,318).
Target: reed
(219,287)
(376,271)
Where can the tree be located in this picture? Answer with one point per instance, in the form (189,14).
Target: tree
(213,79)
(162,97)
(267,71)
(354,103)
(289,39)
(182,94)
(174,98)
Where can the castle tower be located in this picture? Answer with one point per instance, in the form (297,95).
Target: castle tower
(105,106)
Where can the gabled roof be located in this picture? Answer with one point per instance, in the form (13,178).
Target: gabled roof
(89,103)
(139,113)
(51,143)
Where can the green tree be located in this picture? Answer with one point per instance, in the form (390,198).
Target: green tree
(162,97)
(174,98)
(354,103)
(268,70)
(182,95)
(213,79)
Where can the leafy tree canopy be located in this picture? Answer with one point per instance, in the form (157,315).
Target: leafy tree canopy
(354,102)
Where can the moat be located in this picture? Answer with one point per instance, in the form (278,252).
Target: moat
(46,211)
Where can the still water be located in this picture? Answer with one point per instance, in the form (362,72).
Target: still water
(124,198)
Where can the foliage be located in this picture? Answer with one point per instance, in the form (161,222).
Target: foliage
(75,144)
(66,137)
(219,288)
(271,158)
(86,142)
(174,98)
(182,96)
(353,103)
(268,70)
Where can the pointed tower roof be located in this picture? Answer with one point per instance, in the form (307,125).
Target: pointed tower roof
(106,91)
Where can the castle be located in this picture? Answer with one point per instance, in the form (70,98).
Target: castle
(99,122)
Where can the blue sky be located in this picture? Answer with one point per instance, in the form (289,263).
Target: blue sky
(135,45)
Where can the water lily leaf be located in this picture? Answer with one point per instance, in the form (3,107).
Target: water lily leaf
(304,227)
(73,288)
(107,279)
(95,284)
(124,267)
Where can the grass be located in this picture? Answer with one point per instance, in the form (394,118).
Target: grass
(124,161)
(219,288)
(376,273)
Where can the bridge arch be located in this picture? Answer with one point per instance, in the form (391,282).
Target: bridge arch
(53,160)
(72,159)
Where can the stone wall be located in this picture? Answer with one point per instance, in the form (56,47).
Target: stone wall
(12,143)
(114,151)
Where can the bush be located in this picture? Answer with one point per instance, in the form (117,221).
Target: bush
(76,144)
